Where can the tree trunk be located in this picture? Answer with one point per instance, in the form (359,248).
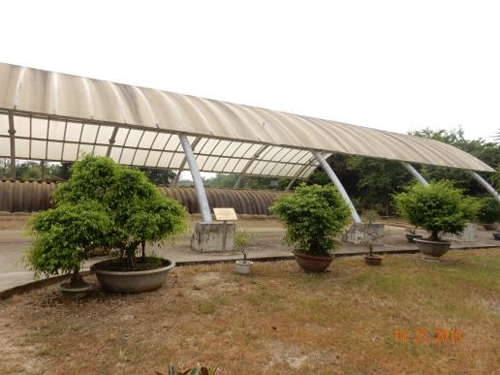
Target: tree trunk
(76,280)
(143,244)
(434,236)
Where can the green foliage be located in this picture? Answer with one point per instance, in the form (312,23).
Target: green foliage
(139,212)
(314,217)
(161,177)
(198,370)
(488,152)
(489,211)
(62,237)
(369,182)
(438,208)
(248,182)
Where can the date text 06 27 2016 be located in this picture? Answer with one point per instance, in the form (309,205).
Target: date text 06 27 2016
(424,335)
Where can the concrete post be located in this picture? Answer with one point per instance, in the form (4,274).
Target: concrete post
(485,184)
(415,173)
(198,182)
(333,177)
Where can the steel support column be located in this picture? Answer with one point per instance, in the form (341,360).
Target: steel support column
(245,168)
(12,132)
(333,177)
(485,184)
(112,141)
(299,172)
(183,163)
(198,182)
(415,173)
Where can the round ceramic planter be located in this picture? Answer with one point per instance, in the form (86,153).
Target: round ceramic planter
(493,226)
(411,237)
(244,267)
(433,249)
(74,293)
(373,260)
(132,281)
(313,263)
(496,235)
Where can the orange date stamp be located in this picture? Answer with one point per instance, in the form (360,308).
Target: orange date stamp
(424,335)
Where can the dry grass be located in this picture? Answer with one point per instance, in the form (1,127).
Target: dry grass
(280,320)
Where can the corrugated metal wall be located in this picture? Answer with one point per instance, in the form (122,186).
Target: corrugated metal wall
(32,196)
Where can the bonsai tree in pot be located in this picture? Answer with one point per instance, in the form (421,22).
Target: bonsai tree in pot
(139,213)
(314,217)
(372,236)
(63,237)
(489,213)
(438,208)
(241,240)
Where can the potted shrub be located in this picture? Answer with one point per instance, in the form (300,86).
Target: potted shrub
(63,237)
(314,217)
(139,214)
(489,213)
(241,240)
(438,208)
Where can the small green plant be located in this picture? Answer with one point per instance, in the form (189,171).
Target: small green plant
(438,208)
(64,236)
(241,240)
(370,216)
(314,217)
(489,212)
(198,370)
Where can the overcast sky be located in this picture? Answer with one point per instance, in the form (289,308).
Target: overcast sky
(392,65)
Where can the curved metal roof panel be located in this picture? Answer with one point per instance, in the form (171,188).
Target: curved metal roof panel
(87,101)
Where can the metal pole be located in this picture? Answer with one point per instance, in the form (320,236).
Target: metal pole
(333,177)
(42,165)
(206,217)
(485,184)
(415,173)
(183,163)
(12,132)
(245,168)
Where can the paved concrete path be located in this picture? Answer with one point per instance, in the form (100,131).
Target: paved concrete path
(265,244)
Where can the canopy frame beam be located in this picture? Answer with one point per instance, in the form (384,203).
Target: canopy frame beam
(112,141)
(485,184)
(201,194)
(12,132)
(333,177)
(415,173)
(183,163)
(248,165)
(299,173)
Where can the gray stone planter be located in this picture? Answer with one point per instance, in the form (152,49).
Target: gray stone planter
(74,293)
(244,267)
(132,281)
(433,249)
(490,226)
(411,237)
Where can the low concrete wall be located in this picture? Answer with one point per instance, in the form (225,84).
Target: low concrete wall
(468,234)
(209,237)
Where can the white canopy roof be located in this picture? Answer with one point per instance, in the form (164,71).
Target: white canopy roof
(57,116)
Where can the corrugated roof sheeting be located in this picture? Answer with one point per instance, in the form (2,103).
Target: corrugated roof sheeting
(230,134)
